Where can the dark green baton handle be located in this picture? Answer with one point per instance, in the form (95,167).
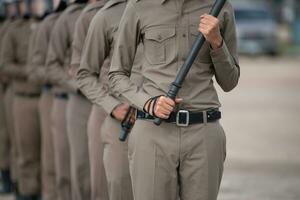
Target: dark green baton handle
(183,71)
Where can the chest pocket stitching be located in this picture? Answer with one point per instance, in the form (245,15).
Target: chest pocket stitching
(157,45)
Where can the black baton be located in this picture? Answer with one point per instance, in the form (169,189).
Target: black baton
(183,71)
(126,125)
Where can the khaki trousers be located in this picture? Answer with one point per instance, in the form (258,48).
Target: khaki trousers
(61,149)
(8,100)
(78,111)
(167,157)
(115,158)
(27,130)
(98,177)
(47,154)
(4,136)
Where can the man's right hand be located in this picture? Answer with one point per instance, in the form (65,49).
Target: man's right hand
(120,111)
(163,107)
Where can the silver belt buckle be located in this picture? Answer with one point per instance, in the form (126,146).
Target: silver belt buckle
(187,118)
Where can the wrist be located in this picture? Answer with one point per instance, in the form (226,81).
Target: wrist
(217,43)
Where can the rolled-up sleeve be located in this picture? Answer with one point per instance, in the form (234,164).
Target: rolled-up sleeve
(123,58)
(225,59)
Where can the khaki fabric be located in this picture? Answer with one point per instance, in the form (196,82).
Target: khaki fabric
(8,100)
(37,70)
(115,161)
(37,73)
(81,29)
(78,111)
(4,133)
(59,52)
(92,74)
(26,118)
(98,178)
(167,37)
(168,160)
(57,66)
(163,156)
(4,136)
(61,149)
(25,110)
(15,54)
(98,50)
(47,147)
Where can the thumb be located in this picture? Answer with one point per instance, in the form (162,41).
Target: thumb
(178,100)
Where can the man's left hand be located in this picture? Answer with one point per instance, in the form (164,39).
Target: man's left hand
(210,28)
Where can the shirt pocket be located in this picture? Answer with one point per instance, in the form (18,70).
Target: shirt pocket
(159,45)
(204,53)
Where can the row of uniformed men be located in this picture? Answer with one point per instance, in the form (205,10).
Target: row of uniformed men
(183,158)
(51,140)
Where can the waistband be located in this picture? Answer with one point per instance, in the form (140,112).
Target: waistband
(185,117)
(61,95)
(28,95)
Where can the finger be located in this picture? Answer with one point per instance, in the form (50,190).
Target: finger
(178,100)
(163,110)
(204,15)
(164,105)
(169,101)
(162,116)
(207,21)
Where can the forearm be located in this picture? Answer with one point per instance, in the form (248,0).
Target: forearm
(122,87)
(95,91)
(227,70)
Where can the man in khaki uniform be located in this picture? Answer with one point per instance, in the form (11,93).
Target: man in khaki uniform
(78,111)
(19,42)
(98,47)
(5,146)
(186,152)
(38,73)
(58,64)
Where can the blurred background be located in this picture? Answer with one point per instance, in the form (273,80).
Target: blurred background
(261,117)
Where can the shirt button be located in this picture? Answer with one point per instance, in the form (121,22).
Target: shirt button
(184,35)
(159,37)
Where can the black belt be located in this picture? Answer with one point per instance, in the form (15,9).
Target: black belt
(28,95)
(185,117)
(47,87)
(61,95)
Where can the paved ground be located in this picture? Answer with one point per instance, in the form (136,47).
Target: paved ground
(262,122)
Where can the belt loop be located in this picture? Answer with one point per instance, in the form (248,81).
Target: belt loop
(205,117)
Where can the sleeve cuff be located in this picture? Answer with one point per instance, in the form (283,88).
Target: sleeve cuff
(109,103)
(140,100)
(221,54)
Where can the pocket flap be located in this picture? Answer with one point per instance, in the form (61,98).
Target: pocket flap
(160,34)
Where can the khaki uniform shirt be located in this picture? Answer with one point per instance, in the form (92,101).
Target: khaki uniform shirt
(17,51)
(168,30)
(81,28)
(37,70)
(59,52)
(3,30)
(91,77)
